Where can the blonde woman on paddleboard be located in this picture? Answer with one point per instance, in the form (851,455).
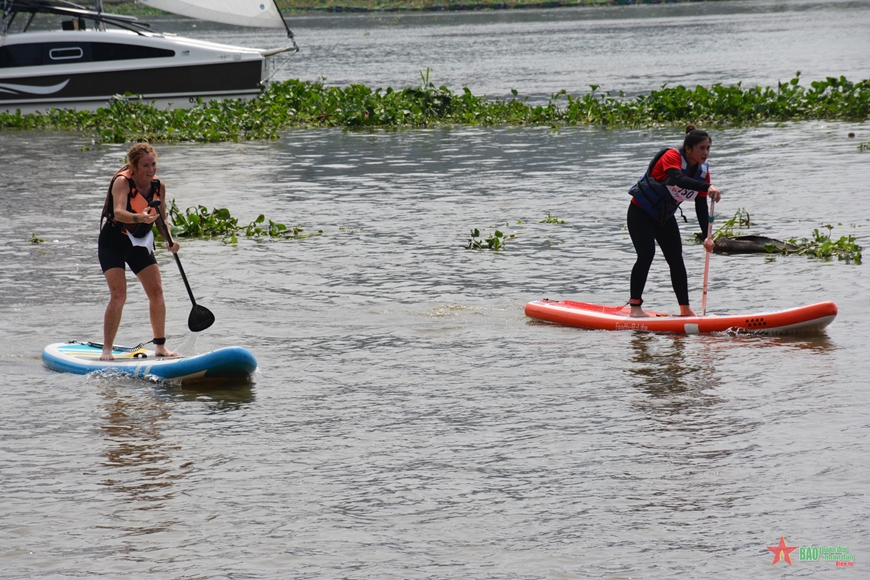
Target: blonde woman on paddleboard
(126,238)
(674,175)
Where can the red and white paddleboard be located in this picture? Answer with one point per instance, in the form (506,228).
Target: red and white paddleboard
(803,319)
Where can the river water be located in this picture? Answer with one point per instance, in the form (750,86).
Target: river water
(407,420)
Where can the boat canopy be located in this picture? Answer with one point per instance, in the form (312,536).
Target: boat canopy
(11,8)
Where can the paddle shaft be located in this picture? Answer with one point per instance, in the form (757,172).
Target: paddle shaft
(168,237)
(200,317)
(707,259)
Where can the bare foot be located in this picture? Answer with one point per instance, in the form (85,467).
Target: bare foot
(637,312)
(163,351)
(107,356)
(686,310)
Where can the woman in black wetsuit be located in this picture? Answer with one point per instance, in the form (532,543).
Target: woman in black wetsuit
(674,176)
(126,238)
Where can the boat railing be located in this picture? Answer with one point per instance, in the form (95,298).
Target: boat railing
(11,8)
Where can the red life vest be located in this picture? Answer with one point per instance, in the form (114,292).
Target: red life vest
(137,202)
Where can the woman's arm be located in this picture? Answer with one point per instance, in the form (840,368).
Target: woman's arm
(120,193)
(676,177)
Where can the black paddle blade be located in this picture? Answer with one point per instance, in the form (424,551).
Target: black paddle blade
(200,318)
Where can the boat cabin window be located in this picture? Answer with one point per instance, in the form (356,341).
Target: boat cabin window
(20,55)
(77,24)
(42,53)
(70,53)
(102,51)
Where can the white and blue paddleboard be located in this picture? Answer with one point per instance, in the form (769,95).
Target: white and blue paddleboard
(226,363)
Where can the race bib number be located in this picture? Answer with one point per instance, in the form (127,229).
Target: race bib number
(679,194)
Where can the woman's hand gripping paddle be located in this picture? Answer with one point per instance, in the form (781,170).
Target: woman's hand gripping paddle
(200,317)
(707,259)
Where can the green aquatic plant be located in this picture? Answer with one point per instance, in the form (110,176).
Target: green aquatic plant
(201,222)
(551,220)
(34,239)
(494,241)
(306,104)
(824,247)
(276,230)
(821,245)
(739,221)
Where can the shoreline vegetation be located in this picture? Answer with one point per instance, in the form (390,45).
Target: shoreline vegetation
(134,8)
(305,104)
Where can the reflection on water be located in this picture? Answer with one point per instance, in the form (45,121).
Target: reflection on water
(218,395)
(816,343)
(132,425)
(674,375)
(135,415)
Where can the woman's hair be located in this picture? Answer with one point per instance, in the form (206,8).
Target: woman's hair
(137,152)
(695,136)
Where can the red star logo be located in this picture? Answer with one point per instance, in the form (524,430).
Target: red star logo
(782,552)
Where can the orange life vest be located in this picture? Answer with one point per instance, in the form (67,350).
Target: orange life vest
(137,202)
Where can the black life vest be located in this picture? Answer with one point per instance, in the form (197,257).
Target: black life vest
(659,200)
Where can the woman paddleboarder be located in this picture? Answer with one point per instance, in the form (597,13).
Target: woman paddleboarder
(126,238)
(675,175)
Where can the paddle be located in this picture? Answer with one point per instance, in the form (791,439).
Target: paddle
(707,259)
(200,317)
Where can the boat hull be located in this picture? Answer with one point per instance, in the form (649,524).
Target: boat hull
(81,359)
(804,319)
(91,91)
(174,71)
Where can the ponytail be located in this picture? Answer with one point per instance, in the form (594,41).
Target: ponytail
(695,136)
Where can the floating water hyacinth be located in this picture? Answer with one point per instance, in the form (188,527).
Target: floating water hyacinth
(823,246)
(739,221)
(306,104)
(494,241)
(552,220)
(201,222)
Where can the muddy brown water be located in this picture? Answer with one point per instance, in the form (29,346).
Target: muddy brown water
(407,420)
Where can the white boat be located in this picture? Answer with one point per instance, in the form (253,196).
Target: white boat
(95,56)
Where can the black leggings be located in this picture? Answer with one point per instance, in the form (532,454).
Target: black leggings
(645,232)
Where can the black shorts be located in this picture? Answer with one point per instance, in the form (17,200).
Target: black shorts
(115,250)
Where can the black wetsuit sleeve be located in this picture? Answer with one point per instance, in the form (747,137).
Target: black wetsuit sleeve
(675,177)
(703,215)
